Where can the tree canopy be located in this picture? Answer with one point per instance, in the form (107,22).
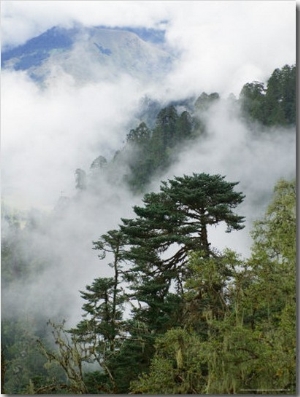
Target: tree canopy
(248,345)
(199,321)
(173,314)
(274,104)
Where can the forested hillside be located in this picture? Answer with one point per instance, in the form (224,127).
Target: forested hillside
(178,314)
(151,149)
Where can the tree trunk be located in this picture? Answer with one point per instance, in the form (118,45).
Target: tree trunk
(203,234)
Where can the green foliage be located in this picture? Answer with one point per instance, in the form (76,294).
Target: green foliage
(134,355)
(20,325)
(166,126)
(185,127)
(69,356)
(238,333)
(275,234)
(155,143)
(139,136)
(252,99)
(209,290)
(281,97)
(172,219)
(204,101)
(152,151)
(201,321)
(185,206)
(16,262)
(148,151)
(139,160)
(24,364)
(274,265)
(102,331)
(176,218)
(176,368)
(275,104)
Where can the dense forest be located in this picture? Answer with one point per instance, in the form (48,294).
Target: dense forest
(153,145)
(178,315)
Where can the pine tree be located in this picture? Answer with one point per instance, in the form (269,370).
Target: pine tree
(251,346)
(281,96)
(139,157)
(252,100)
(102,330)
(171,225)
(204,101)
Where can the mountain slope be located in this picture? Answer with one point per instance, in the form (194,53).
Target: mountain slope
(90,54)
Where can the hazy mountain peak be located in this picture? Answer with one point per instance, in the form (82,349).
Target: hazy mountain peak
(91,54)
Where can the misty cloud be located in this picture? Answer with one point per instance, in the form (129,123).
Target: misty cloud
(47,133)
(60,250)
(222,45)
(255,157)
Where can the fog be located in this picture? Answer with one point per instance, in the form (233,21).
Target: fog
(63,241)
(47,133)
(222,44)
(255,158)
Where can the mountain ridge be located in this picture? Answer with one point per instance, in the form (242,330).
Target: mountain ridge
(107,52)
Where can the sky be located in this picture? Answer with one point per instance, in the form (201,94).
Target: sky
(224,43)
(222,46)
(47,134)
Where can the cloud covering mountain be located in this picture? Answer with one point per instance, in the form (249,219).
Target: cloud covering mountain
(222,44)
(93,87)
(90,55)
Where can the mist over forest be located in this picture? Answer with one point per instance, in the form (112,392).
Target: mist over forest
(87,147)
(255,157)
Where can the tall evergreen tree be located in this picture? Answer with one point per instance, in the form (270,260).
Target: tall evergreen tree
(172,224)
(252,100)
(166,124)
(184,127)
(205,101)
(102,330)
(181,214)
(281,97)
(274,104)
(139,136)
(251,347)
(139,157)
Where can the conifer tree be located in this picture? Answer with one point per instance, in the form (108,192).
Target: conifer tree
(180,214)
(251,346)
(171,225)
(102,330)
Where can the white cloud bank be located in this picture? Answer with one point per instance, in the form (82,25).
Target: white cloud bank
(47,134)
(223,43)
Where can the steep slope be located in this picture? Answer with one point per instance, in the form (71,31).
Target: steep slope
(90,54)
